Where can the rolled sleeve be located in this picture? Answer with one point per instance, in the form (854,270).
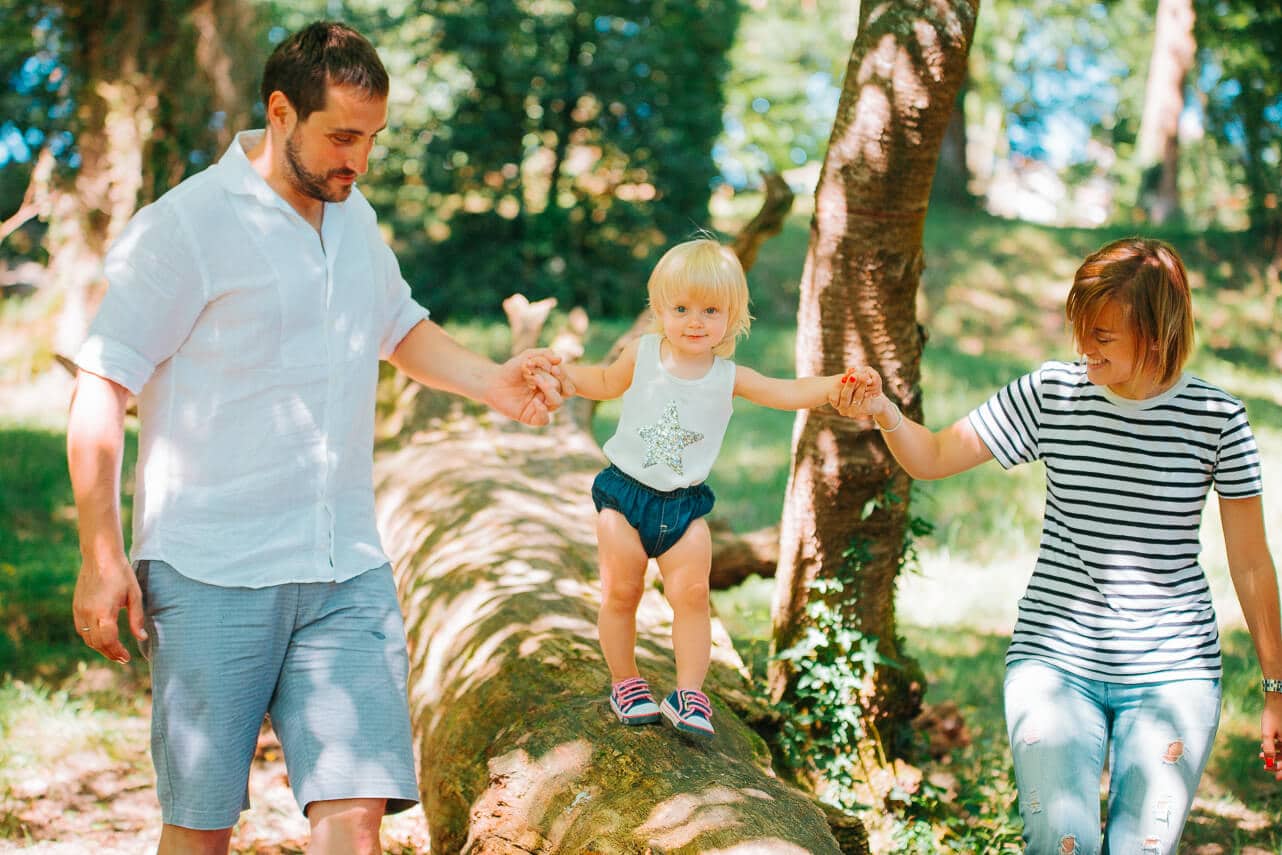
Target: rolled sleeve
(115,361)
(402,312)
(155,292)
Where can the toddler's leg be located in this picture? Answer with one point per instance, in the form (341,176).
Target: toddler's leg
(623,562)
(685,568)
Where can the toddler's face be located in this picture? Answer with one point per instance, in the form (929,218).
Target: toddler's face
(694,326)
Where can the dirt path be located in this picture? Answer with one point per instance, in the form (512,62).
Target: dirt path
(102,799)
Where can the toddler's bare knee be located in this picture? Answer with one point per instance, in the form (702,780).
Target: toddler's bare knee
(692,597)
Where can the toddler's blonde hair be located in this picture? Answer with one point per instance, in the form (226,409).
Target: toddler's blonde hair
(703,270)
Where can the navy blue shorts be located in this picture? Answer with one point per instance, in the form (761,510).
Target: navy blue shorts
(660,518)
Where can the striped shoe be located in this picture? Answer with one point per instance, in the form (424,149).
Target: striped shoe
(632,702)
(690,712)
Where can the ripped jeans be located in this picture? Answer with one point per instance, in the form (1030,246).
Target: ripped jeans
(1157,737)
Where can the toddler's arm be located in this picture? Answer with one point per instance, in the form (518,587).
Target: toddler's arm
(604,382)
(924,454)
(784,394)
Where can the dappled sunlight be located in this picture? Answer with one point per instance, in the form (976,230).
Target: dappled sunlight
(679,820)
(527,788)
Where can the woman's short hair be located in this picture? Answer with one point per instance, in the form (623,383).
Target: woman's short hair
(319,55)
(703,270)
(1146,279)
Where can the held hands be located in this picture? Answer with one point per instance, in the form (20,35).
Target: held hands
(531,386)
(102,590)
(860,394)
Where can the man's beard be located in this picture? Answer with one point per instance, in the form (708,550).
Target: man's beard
(313,184)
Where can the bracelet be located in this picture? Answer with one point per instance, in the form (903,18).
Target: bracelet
(1270,685)
(898,424)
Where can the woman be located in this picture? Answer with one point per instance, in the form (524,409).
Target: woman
(1115,652)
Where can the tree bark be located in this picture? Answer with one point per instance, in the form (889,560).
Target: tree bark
(1158,147)
(858,307)
(493,538)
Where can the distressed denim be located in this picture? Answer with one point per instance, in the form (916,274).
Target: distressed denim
(1157,738)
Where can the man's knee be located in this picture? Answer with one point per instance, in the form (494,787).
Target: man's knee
(346,826)
(177,840)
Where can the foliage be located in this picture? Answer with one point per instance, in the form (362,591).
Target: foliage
(548,147)
(828,729)
(1240,47)
(783,85)
(39,555)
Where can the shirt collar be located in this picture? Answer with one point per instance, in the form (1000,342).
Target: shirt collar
(239,176)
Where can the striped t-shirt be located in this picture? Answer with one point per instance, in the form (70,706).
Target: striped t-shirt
(1118,594)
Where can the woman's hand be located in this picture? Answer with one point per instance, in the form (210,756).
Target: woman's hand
(860,394)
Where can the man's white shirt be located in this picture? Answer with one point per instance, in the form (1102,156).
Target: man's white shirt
(252,343)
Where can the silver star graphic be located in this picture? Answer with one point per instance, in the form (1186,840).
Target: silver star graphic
(665,439)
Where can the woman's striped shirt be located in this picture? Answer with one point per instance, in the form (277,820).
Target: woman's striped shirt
(1118,594)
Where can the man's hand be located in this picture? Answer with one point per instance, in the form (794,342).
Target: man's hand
(530,387)
(102,590)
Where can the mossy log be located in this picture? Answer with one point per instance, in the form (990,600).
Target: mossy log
(492,533)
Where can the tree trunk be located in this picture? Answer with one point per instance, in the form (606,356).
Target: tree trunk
(137,90)
(493,537)
(858,307)
(1158,147)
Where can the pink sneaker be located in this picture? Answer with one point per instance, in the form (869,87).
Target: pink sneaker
(690,712)
(632,702)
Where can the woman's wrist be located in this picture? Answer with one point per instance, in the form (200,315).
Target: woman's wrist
(890,414)
(1270,685)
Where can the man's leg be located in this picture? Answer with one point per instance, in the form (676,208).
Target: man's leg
(176,840)
(341,709)
(346,826)
(215,653)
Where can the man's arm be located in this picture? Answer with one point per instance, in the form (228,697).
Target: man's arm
(95,448)
(528,387)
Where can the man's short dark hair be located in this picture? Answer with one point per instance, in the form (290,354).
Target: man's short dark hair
(318,55)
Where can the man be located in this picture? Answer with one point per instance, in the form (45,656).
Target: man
(248,309)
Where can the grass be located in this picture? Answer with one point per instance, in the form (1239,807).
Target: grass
(991,299)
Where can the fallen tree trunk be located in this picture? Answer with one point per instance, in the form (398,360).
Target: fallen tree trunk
(492,533)
(491,530)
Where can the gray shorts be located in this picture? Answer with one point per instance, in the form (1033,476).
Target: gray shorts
(326,661)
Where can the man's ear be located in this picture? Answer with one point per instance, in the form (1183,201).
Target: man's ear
(281,114)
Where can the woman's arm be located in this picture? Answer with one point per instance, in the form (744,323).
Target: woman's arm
(924,454)
(1256,583)
(784,394)
(604,382)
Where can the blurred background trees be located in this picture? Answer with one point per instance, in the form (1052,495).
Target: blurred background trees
(559,146)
